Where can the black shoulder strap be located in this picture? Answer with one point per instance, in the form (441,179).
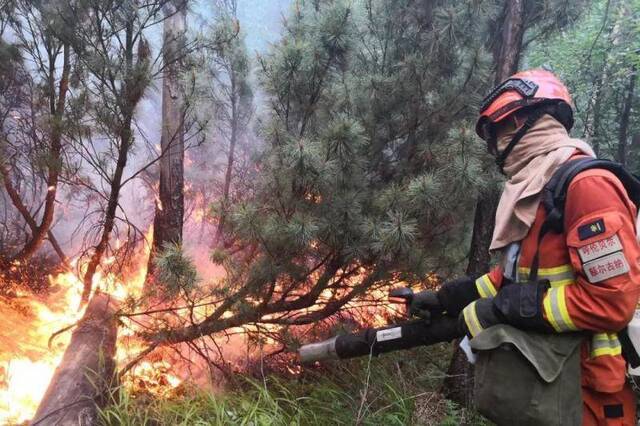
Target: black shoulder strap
(554,195)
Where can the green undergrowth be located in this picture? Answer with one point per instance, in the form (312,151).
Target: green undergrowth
(394,389)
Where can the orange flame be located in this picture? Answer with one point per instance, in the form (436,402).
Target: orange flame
(27,363)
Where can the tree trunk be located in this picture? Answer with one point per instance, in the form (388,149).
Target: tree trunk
(17,202)
(167,224)
(623,130)
(110,214)
(458,386)
(85,377)
(230,159)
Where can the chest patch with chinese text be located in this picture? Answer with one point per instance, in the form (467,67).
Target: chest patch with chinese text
(606,267)
(591,229)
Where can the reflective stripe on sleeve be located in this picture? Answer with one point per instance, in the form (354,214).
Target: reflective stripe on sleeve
(557,276)
(555,308)
(605,344)
(485,286)
(471,319)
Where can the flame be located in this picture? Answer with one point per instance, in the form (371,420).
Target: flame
(26,366)
(27,363)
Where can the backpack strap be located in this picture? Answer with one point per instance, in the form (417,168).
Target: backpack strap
(554,195)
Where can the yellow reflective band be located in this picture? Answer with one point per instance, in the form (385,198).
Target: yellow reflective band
(471,319)
(546,304)
(485,286)
(605,344)
(557,276)
(562,283)
(548,271)
(555,307)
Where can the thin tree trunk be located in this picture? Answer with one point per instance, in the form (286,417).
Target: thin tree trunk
(110,214)
(230,158)
(623,130)
(592,113)
(458,386)
(167,224)
(595,136)
(130,97)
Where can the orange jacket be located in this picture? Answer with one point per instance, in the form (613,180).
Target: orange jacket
(593,270)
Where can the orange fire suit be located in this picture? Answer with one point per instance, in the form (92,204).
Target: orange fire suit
(594,274)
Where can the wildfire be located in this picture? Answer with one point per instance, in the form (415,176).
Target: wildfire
(28,358)
(30,354)
(27,365)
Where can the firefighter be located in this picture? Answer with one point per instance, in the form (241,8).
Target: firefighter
(588,275)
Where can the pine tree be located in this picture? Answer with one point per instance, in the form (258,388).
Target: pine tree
(370,168)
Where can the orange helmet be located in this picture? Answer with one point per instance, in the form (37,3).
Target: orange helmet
(524,89)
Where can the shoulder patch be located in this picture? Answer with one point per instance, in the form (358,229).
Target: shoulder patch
(591,229)
(600,248)
(606,267)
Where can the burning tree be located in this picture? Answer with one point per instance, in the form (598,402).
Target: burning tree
(168,220)
(116,66)
(361,183)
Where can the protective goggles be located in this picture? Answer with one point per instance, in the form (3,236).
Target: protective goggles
(526,89)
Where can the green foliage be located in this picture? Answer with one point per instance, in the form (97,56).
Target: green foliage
(367,161)
(174,270)
(596,58)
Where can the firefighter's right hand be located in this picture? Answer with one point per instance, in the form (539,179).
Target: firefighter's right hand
(450,299)
(425,305)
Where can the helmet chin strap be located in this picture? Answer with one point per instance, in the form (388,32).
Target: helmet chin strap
(501,157)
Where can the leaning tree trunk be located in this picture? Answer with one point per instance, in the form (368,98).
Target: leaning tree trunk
(56,106)
(85,378)
(458,386)
(167,224)
(133,88)
(16,199)
(126,140)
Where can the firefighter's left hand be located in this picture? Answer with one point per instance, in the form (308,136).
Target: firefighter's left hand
(477,316)
(520,305)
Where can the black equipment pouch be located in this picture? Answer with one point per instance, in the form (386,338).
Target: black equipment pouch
(528,378)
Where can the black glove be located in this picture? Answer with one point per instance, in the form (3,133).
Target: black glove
(456,294)
(425,305)
(520,305)
(477,316)
(451,298)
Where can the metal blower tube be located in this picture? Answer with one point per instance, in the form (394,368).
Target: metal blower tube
(375,341)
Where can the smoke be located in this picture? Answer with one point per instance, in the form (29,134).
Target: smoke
(205,159)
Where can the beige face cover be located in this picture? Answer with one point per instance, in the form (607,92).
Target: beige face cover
(528,168)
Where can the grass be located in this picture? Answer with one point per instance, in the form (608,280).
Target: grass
(395,389)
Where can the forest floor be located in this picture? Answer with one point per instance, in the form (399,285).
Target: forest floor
(394,389)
